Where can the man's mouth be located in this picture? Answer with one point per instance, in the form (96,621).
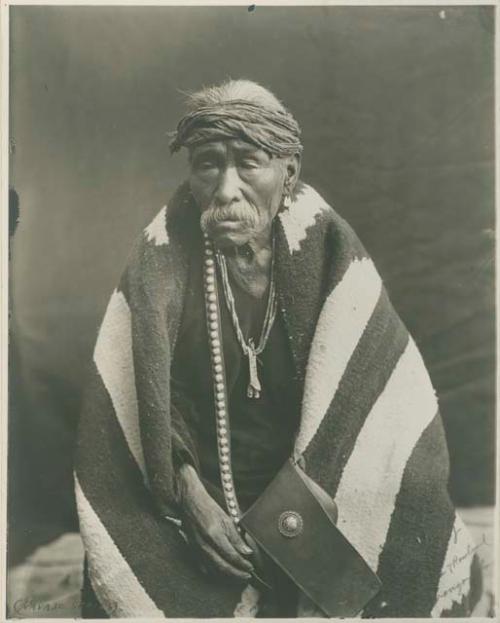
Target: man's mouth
(229,223)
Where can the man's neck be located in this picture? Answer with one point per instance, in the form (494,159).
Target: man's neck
(250,265)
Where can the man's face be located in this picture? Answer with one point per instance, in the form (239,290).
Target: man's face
(238,188)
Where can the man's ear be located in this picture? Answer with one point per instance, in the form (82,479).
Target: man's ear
(292,171)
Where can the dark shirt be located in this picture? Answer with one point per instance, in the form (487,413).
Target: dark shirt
(262,430)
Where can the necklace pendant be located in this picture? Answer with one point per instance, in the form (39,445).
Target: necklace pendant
(254,387)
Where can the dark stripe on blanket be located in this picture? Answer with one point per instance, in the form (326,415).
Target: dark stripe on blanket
(157,293)
(420,527)
(112,483)
(300,308)
(306,277)
(375,356)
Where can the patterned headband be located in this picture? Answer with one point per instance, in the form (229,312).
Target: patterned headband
(274,131)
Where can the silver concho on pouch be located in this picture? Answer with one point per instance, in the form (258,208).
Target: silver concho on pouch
(290,524)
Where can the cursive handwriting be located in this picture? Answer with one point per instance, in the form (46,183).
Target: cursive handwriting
(469,552)
(28,604)
(458,587)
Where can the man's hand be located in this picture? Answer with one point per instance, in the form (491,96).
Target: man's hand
(210,530)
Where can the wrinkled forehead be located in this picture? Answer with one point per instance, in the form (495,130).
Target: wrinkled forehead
(221,146)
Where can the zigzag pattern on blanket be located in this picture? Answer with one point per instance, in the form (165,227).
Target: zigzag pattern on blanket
(370,432)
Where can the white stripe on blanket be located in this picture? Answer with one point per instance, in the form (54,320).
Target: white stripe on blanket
(114,360)
(156,231)
(454,582)
(301,215)
(372,476)
(113,581)
(341,324)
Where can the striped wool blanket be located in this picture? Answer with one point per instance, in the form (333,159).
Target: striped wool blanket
(370,433)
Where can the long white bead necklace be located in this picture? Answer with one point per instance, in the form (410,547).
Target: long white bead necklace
(219,380)
(212,311)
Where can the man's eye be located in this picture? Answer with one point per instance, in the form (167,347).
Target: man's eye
(204,165)
(249,164)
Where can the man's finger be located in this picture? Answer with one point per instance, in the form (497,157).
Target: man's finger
(221,564)
(228,551)
(237,541)
(218,539)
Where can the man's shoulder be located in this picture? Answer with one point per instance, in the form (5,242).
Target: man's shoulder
(167,223)
(311,214)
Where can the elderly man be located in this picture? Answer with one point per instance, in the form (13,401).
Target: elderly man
(248,358)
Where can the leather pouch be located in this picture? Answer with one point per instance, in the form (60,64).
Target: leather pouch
(291,523)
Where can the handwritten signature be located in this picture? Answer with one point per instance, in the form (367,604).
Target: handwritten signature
(28,604)
(458,587)
(469,552)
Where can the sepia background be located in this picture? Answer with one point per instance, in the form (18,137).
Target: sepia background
(396,106)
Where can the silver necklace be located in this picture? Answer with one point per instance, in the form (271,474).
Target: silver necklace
(249,348)
(212,312)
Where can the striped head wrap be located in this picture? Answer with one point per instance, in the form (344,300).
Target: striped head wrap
(274,131)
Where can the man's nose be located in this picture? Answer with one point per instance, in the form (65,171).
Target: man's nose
(228,187)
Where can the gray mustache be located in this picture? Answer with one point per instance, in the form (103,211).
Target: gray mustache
(216,214)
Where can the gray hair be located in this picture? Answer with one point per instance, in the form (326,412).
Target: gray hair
(245,90)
